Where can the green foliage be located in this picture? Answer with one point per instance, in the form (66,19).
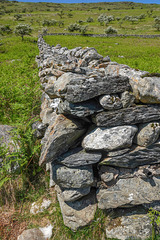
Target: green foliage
(22,30)
(89,20)
(73,27)
(51,22)
(18,17)
(157,23)
(155,221)
(5,29)
(111,30)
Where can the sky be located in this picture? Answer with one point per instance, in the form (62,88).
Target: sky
(89,1)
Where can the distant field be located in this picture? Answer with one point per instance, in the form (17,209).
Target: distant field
(19,82)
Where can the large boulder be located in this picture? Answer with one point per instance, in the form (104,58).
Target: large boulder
(79,87)
(109,139)
(146,87)
(61,135)
(78,213)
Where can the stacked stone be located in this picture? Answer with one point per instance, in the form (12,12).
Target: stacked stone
(102,122)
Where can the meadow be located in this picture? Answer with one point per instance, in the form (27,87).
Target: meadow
(20,93)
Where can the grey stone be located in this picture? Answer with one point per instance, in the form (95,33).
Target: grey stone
(79,157)
(129,192)
(78,213)
(110,102)
(131,115)
(70,195)
(78,87)
(34,234)
(47,115)
(79,177)
(108,174)
(129,224)
(136,157)
(6,137)
(118,152)
(109,139)
(127,99)
(82,109)
(61,135)
(146,89)
(39,129)
(147,134)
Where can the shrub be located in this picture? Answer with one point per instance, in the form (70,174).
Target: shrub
(22,30)
(73,27)
(5,29)
(52,22)
(18,17)
(89,19)
(157,23)
(111,30)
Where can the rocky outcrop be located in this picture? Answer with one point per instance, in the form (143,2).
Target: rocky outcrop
(102,136)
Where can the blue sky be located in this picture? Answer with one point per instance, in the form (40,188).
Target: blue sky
(89,1)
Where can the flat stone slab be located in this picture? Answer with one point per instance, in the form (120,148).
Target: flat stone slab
(78,213)
(82,109)
(136,157)
(131,115)
(79,157)
(129,192)
(60,136)
(79,177)
(79,87)
(109,139)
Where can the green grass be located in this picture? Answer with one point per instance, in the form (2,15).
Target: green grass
(137,53)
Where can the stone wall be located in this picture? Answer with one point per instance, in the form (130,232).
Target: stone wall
(100,127)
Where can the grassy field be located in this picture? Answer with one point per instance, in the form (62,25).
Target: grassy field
(20,93)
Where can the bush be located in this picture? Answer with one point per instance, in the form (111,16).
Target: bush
(22,30)
(52,22)
(89,19)
(5,29)
(73,27)
(110,30)
(18,17)
(157,23)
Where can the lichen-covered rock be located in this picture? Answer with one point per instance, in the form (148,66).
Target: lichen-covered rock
(39,129)
(109,139)
(34,234)
(129,192)
(146,89)
(131,115)
(78,213)
(136,157)
(81,110)
(78,177)
(127,99)
(79,87)
(61,136)
(40,206)
(129,224)
(110,102)
(70,195)
(147,134)
(79,157)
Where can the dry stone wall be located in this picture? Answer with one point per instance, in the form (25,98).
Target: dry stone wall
(100,127)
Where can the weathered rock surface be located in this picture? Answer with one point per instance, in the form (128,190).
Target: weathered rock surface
(6,137)
(136,157)
(127,99)
(70,195)
(132,115)
(39,129)
(79,157)
(78,87)
(63,134)
(79,177)
(147,134)
(34,234)
(82,109)
(40,206)
(129,224)
(129,192)
(110,102)
(78,213)
(146,89)
(109,139)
